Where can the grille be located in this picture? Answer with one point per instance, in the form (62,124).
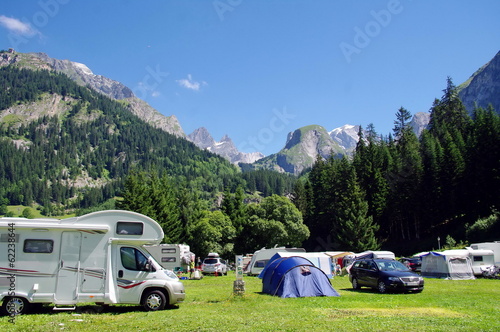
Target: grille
(411,279)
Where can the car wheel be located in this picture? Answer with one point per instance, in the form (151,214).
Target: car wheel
(382,288)
(355,284)
(15,305)
(154,301)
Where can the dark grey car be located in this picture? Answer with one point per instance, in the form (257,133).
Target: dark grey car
(384,275)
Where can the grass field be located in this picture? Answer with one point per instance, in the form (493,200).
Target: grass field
(444,305)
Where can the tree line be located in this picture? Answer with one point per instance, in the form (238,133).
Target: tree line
(403,191)
(232,226)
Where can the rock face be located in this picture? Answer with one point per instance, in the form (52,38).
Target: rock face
(346,136)
(225,147)
(483,87)
(301,150)
(419,122)
(82,75)
(201,138)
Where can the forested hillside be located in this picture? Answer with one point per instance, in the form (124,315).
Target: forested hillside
(403,192)
(67,148)
(79,158)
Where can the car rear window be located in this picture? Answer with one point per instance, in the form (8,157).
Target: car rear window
(210,261)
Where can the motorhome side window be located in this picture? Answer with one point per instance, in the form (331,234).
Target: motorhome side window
(38,246)
(133,259)
(168,260)
(129,228)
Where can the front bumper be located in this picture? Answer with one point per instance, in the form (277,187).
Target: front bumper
(406,284)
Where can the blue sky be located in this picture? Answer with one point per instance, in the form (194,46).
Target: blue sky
(257,70)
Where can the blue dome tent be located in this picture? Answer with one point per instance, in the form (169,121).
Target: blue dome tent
(295,277)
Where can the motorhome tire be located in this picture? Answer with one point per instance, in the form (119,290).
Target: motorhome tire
(154,300)
(15,305)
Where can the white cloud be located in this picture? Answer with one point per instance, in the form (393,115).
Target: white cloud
(16,26)
(190,84)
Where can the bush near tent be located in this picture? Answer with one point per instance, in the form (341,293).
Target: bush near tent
(295,277)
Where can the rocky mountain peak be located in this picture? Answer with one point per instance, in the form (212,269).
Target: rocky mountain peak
(301,150)
(419,122)
(483,87)
(84,76)
(201,138)
(225,147)
(346,136)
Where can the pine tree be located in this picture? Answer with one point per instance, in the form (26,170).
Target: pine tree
(448,112)
(483,163)
(352,227)
(166,211)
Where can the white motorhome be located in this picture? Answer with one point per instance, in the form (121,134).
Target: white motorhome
(174,257)
(261,257)
(98,257)
(495,246)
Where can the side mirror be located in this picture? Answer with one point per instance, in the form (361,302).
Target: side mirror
(149,267)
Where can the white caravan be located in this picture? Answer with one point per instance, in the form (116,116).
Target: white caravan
(98,257)
(495,246)
(261,257)
(481,259)
(174,257)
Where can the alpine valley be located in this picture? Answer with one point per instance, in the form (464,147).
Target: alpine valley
(71,139)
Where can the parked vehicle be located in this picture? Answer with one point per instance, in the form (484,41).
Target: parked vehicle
(97,258)
(481,259)
(175,257)
(495,246)
(413,263)
(213,264)
(384,275)
(491,272)
(262,256)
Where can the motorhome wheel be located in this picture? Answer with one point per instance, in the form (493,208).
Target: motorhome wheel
(154,300)
(15,305)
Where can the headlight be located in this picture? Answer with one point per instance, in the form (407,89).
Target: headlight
(393,279)
(171,274)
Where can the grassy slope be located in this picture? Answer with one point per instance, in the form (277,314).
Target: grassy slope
(444,305)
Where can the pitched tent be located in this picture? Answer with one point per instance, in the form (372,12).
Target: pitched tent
(449,264)
(295,277)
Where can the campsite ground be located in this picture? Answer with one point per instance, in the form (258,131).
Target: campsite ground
(444,305)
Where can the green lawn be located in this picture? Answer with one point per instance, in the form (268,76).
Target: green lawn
(444,305)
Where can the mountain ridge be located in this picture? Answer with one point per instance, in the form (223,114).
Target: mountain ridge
(302,146)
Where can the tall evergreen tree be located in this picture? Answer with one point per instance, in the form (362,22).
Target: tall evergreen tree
(352,227)
(483,163)
(448,112)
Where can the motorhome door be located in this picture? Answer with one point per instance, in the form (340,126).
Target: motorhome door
(69,266)
(133,270)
